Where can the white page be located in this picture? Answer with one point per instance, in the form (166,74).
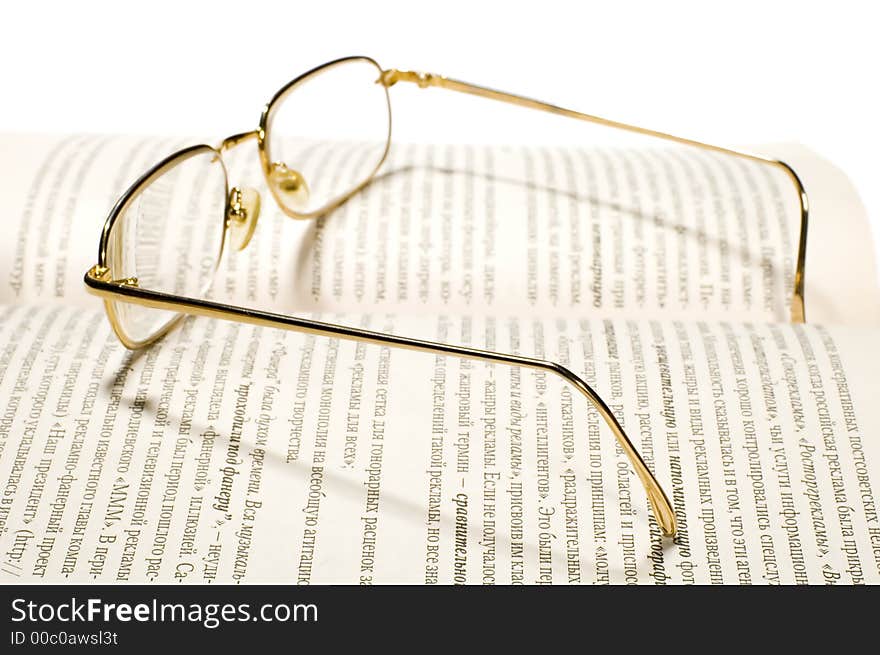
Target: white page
(229,453)
(839,242)
(474,230)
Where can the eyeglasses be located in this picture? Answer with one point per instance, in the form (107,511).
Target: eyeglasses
(165,236)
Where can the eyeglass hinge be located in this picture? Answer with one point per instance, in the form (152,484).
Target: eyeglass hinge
(126,282)
(102,274)
(98,272)
(392,76)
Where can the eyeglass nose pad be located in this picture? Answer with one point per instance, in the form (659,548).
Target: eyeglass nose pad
(289,184)
(242,215)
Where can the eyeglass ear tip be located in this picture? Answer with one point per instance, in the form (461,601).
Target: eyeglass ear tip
(663,513)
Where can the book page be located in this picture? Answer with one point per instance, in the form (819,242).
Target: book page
(59,190)
(839,236)
(645,233)
(230,453)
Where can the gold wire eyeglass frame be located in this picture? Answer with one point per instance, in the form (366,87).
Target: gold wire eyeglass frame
(240,218)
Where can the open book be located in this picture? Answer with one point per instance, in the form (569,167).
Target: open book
(234,453)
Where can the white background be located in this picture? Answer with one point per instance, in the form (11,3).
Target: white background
(732,73)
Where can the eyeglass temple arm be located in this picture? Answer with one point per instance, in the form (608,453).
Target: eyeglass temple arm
(798,312)
(128,291)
